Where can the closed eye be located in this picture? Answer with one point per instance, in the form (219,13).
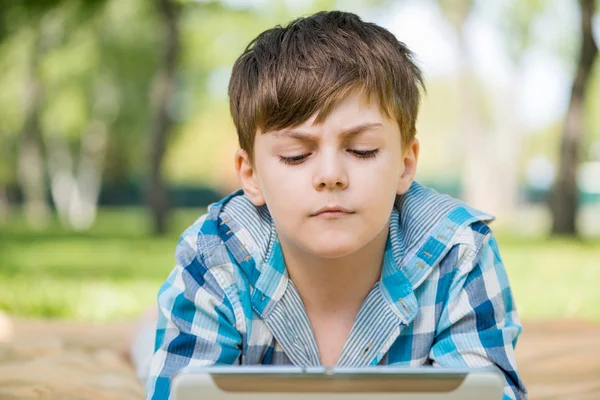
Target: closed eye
(295,160)
(365,153)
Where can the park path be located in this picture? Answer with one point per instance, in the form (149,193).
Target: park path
(65,360)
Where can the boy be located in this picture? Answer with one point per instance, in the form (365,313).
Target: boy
(331,254)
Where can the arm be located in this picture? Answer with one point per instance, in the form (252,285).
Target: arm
(196,322)
(479,325)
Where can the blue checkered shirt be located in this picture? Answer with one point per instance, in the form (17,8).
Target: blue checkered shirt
(443,298)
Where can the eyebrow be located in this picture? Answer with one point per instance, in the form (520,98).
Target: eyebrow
(348,133)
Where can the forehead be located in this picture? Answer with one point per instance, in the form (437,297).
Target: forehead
(354,110)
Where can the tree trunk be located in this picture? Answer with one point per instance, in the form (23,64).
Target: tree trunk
(564,195)
(478,185)
(508,145)
(4,204)
(75,189)
(479,188)
(30,160)
(162,95)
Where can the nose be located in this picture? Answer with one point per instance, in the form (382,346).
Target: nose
(331,173)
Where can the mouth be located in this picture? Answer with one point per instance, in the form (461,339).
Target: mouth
(332,212)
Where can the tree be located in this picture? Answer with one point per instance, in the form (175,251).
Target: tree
(481,188)
(162,97)
(30,164)
(564,194)
(40,17)
(75,184)
(76,176)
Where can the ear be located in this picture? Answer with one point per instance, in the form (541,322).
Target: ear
(410,157)
(247,176)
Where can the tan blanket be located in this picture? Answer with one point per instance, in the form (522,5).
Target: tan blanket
(62,360)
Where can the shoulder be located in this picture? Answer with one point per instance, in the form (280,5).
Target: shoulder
(202,259)
(224,247)
(468,246)
(205,237)
(205,278)
(436,231)
(425,213)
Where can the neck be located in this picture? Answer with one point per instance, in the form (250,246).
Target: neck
(334,285)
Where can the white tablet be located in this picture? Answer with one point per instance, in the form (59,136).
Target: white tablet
(372,383)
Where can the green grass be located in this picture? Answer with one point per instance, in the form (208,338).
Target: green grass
(553,277)
(113,271)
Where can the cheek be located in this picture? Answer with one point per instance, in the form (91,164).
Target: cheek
(381,175)
(282,182)
(283,192)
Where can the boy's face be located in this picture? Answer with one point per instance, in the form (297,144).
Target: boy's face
(353,161)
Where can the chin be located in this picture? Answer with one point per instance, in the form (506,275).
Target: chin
(327,248)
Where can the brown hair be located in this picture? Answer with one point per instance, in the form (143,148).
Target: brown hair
(286,74)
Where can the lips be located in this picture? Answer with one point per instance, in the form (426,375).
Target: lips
(333,211)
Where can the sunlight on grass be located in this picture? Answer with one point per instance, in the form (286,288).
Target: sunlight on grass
(554,278)
(111,272)
(90,300)
(114,271)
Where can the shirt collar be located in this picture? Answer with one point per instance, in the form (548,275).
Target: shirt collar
(423,226)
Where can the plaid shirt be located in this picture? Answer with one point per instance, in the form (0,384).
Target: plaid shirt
(443,298)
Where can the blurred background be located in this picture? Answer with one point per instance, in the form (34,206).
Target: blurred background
(115,135)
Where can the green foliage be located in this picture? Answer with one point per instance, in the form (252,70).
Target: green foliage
(17,15)
(98,59)
(518,21)
(101,56)
(457,11)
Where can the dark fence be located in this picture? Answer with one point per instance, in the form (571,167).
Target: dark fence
(132,194)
